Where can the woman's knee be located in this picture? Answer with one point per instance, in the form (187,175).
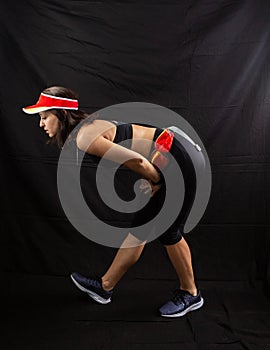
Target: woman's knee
(170,238)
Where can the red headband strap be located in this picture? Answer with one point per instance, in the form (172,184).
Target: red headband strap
(55,101)
(46,102)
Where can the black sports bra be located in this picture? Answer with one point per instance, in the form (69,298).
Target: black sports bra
(123,133)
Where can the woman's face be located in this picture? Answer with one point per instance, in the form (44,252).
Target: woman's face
(49,122)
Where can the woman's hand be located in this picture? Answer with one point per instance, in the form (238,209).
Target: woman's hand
(148,187)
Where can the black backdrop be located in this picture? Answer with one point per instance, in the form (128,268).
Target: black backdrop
(206,60)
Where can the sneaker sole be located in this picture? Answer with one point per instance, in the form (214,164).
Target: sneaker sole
(93,295)
(191,308)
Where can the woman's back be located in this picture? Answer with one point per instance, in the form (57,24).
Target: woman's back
(115,131)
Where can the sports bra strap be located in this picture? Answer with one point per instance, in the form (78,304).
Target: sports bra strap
(115,122)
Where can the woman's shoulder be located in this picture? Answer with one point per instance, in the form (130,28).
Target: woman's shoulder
(95,125)
(93,130)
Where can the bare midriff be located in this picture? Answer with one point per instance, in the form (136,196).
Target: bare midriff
(141,140)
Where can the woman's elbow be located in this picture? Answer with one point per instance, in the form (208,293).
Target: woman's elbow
(136,164)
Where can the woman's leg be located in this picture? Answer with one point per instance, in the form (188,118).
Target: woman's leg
(180,257)
(127,255)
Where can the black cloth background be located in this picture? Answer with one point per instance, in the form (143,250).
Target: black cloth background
(206,60)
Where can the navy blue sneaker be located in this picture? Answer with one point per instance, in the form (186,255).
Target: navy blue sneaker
(181,303)
(93,287)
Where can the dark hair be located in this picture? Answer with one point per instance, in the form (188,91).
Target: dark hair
(68,118)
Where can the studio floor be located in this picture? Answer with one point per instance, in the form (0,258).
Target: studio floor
(49,312)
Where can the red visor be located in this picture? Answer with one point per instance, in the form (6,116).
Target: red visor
(46,102)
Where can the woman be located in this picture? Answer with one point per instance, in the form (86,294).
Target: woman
(59,115)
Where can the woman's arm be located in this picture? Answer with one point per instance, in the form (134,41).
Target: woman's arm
(104,148)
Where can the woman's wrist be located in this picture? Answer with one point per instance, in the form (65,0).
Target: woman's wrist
(160,177)
(159,182)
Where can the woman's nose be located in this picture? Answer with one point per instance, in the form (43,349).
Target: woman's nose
(41,123)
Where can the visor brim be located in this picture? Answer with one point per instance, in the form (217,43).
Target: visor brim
(35,109)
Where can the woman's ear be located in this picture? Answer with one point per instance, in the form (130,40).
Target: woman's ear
(64,114)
